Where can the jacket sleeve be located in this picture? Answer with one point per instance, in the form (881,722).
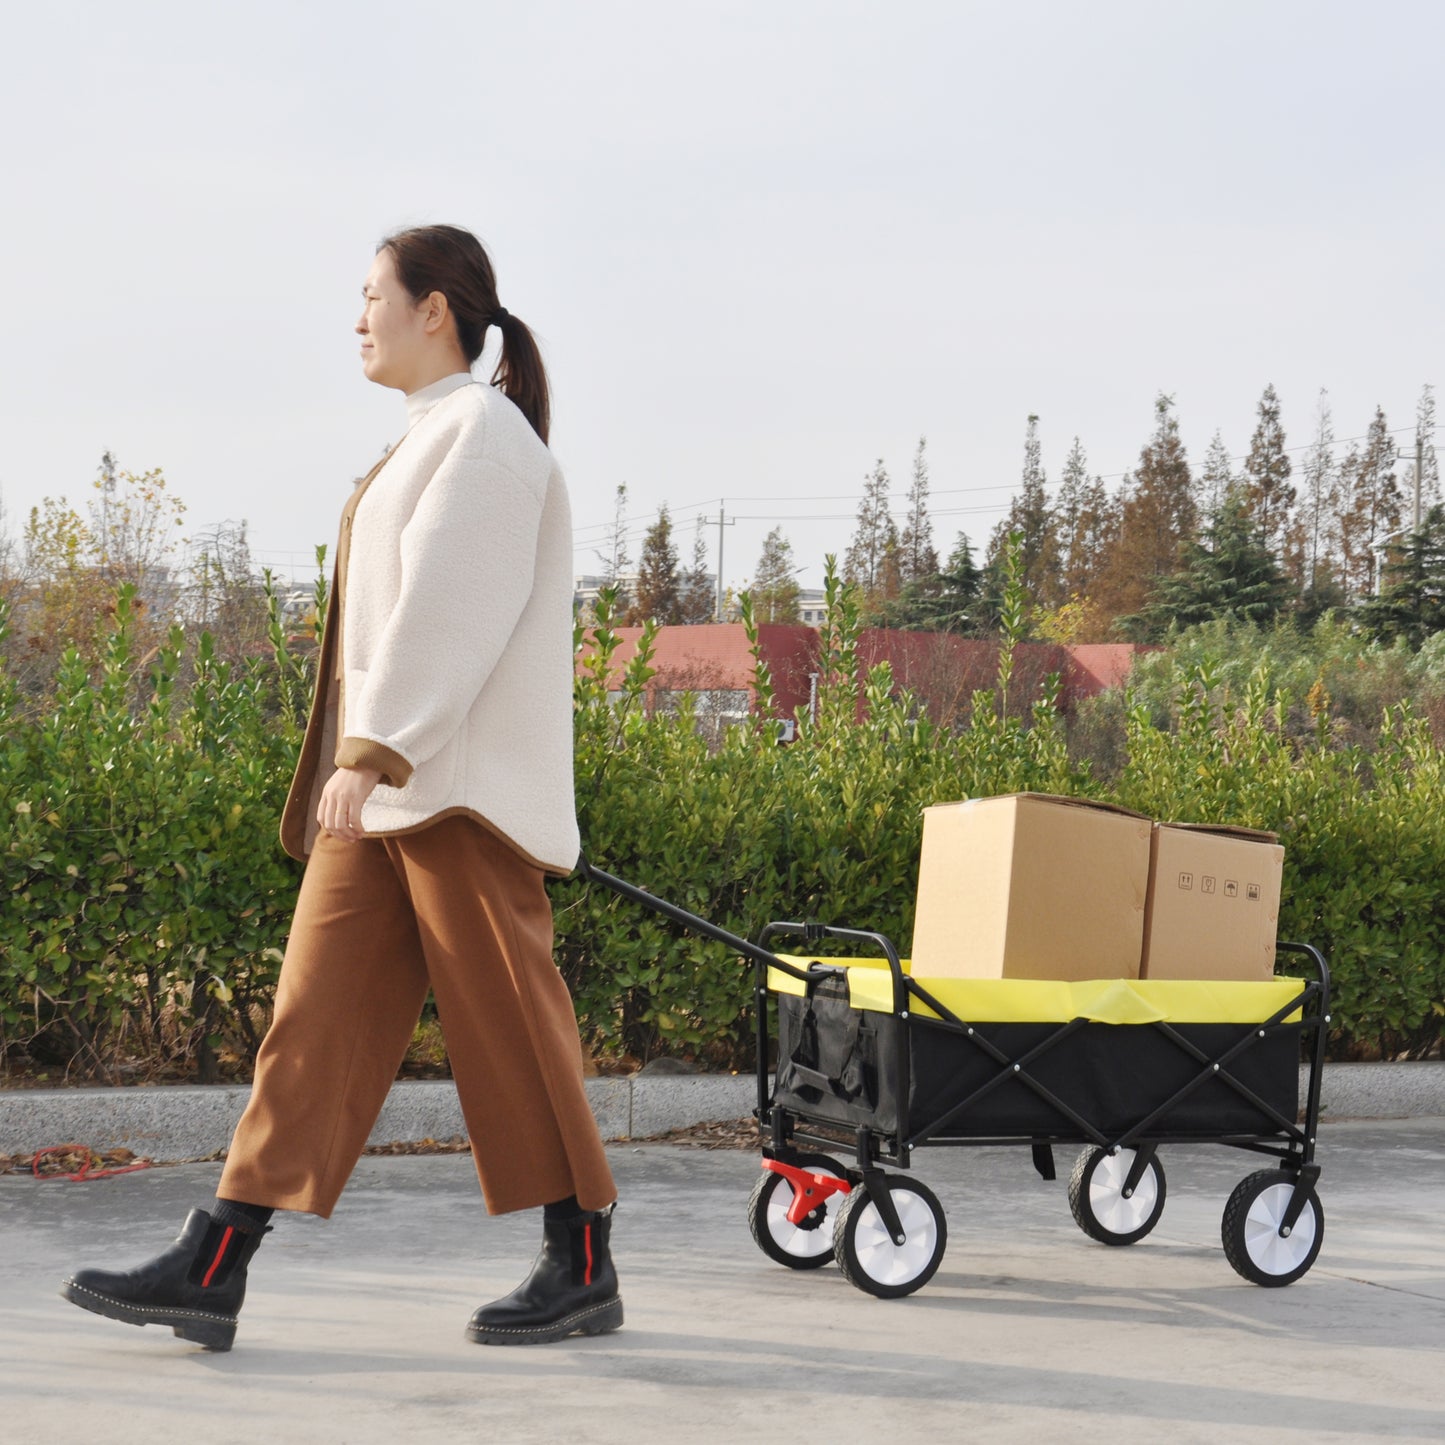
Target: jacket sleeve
(468,554)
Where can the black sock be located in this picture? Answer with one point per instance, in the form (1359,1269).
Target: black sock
(567,1208)
(248,1218)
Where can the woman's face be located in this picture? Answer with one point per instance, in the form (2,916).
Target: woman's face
(393,330)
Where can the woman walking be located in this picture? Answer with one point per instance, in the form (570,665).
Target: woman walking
(432,797)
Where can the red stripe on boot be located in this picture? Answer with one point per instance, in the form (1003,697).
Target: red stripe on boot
(220,1255)
(588,1236)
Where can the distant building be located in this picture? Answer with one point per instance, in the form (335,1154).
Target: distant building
(812,607)
(587,588)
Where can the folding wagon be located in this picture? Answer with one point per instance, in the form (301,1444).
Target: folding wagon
(873,1064)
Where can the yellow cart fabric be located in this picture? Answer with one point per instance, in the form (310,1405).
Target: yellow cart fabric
(1028,1000)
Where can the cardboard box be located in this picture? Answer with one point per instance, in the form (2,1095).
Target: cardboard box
(1031,886)
(1213,909)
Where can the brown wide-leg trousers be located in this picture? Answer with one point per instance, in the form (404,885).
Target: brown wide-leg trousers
(377,921)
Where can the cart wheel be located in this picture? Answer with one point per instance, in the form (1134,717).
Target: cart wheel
(867,1254)
(1096,1196)
(799,1246)
(1252,1241)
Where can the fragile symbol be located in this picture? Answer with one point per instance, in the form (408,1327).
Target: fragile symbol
(1186,881)
(1206,884)
(1231,888)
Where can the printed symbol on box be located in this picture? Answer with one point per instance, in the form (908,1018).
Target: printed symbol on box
(1251,892)
(1206,884)
(1231,888)
(1186,881)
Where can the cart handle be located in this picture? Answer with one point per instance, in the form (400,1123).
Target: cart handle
(811,932)
(696,924)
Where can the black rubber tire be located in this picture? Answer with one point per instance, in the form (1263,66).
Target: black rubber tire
(868,1257)
(1252,1243)
(1097,1202)
(812,1241)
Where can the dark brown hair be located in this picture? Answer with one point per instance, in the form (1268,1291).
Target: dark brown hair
(452,261)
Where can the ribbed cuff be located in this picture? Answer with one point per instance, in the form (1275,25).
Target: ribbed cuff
(365,753)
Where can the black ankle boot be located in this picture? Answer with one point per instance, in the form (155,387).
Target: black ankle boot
(196,1286)
(572,1288)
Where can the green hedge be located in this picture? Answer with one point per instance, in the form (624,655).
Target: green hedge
(147,900)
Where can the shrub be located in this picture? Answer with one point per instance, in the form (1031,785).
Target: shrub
(148,899)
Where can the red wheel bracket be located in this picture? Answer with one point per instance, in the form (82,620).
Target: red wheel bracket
(809,1189)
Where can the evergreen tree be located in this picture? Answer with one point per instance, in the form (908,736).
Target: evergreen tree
(1082,521)
(1371,514)
(659,587)
(1216,477)
(917,558)
(949,601)
(697,595)
(1319,508)
(873,534)
(1427,458)
(1229,573)
(1029,515)
(775,588)
(1267,471)
(1411,604)
(1157,515)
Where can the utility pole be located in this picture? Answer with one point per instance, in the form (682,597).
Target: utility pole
(723,520)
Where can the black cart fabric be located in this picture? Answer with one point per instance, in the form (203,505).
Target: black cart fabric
(839,1065)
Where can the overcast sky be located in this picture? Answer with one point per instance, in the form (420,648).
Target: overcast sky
(764,244)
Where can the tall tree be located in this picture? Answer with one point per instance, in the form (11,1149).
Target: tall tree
(1229,573)
(1411,603)
(1427,484)
(1371,516)
(1319,504)
(775,585)
(1082,517)
(1157,515)
(697,596)
(871,561)
(1030,516)
(1216,477)
(659,586)
(1269,493)
(616,564)
(917,558)
(949,601)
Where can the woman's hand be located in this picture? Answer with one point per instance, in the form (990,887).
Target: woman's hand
(339,812)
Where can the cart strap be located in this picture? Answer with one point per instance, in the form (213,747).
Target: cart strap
(1029,1000)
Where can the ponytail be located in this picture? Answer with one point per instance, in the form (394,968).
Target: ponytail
(452,261)
(520,375)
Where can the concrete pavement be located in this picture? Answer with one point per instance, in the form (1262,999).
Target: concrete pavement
(354,1329)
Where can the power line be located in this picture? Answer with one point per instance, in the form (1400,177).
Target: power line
(893,496)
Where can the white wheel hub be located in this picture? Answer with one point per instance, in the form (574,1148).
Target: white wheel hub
(896,1264)
(1106,1194)
(1270,1252)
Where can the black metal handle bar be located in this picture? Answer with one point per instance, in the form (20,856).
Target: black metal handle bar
(701,925)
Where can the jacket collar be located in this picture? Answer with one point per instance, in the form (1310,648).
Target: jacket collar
(421,402)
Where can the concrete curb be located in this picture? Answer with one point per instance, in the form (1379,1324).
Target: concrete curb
(189,1121)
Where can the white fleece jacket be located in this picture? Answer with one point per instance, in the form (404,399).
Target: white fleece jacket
(456,627)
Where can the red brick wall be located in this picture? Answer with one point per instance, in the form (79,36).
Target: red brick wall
(946,670)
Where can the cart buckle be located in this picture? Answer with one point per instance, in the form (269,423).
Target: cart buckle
(810,1190)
